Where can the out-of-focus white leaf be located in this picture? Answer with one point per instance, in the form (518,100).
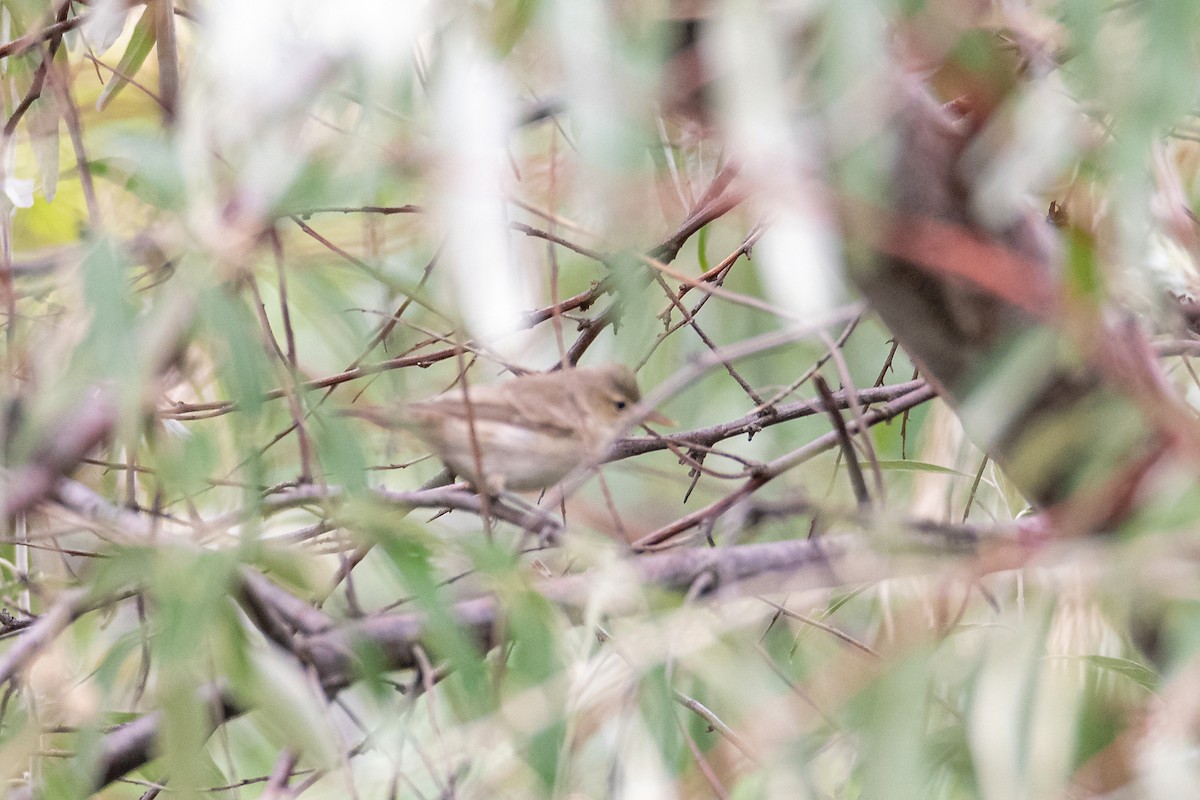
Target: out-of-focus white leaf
(1167,763)
(643,775)
(999,704)
(259,73)
(176,428)
(1170,266)
(583,25)
(1023,718)
(942,441)
(1020,152)
(474,117)
(800,253)
(751,94)
(376,31)
(799,258)
(43,119)
(257,59)
(5,35)
(267,57)
(104,24)
(605,95)
(17,192)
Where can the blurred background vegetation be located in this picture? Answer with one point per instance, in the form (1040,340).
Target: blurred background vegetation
(222,223)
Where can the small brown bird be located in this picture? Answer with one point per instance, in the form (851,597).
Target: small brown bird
(531,431)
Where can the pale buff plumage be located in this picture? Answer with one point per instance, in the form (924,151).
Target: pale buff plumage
(531,431)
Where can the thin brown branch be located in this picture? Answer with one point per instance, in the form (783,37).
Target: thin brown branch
(54,40)
(777,467)
(717,724)
(755,422)
(843,434)
(168,59)
(51,32)
(690,319)
(537,233)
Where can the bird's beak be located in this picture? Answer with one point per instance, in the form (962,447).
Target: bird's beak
(659,419)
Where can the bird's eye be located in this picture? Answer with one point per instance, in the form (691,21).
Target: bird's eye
(621,405)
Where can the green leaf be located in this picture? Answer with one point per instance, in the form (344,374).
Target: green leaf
(1138,673)
(702,249)
(140,45)
(110,347)
(510,19)
(413,558)
(1084,275)
(286,704)
(146,166)
(534,657)
(889,715)
(906,465)
(339,451)
(184,460)
(236,337)
(660,713)
(190,591)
